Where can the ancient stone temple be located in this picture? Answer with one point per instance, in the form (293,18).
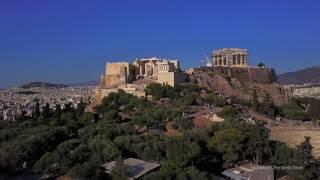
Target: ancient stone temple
(230,57)
(157,69)
(133,77)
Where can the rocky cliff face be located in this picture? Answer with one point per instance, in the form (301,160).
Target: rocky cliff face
(259,75)
(241,83)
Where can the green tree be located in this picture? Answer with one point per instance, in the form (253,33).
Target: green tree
(267,106)
(257,143)
(87,118)
(46,110)
(261,65)
(119,172)
(293,110)
(68,107)
(155,176)
(58,111)
(67,116)
(304,151)
(191,173)
(111,116)
(283,155)
(171,92)
(303,157)
(228,112)
(180,152)
(80,108)
(104,149)
(86,170)
(215,100)
(188,100)
(184,123)
(156,90)
(37,110)
(229,142)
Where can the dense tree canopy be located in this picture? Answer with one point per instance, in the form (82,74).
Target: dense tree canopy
(72,142)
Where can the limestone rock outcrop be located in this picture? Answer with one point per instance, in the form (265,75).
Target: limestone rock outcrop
(241,82)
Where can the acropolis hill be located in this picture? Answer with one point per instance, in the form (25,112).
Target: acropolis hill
(230,73)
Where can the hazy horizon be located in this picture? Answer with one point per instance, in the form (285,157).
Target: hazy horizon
(70,41)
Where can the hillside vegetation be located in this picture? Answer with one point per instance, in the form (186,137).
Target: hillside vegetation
(75,143)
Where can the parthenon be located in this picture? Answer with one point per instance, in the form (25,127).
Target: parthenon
(230,57)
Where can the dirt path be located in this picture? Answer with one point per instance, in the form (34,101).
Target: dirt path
(284,132)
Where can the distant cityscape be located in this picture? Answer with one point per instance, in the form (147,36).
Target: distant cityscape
(306,90)
(17,101)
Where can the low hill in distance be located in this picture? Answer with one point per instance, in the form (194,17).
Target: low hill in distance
(304,76)
(43,84)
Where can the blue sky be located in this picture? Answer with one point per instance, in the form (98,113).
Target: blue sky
(67,41)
